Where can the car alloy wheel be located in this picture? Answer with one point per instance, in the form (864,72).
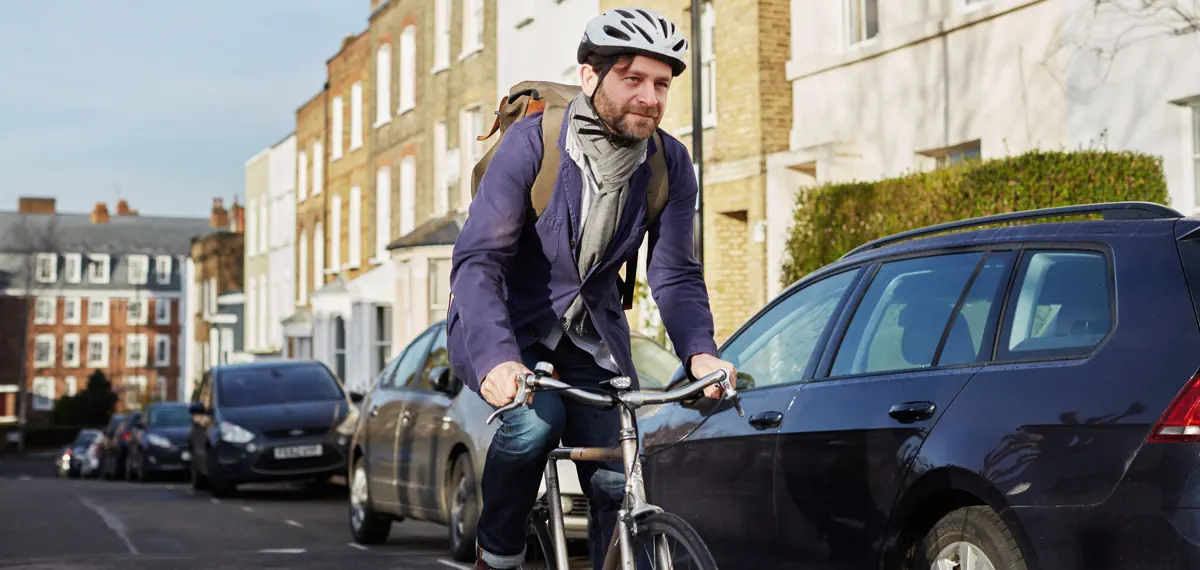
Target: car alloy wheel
(358,497)
(961,556)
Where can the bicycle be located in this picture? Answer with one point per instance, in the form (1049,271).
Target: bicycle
(637,519)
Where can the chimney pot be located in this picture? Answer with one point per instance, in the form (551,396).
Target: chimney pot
(100,213)
(220,217)
(123,209)
(35,205)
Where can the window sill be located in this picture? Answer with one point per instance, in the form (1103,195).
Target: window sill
(440,68)
(525,21)
(709,123)
(381,122)
(405,110)
(43,364)
(467,54)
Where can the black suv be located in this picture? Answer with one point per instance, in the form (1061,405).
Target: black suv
(960,396)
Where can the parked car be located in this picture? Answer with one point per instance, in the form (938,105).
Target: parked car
(115,453)
(419,450)
(79,459)
(266,422)
(160,442)
(1025,395)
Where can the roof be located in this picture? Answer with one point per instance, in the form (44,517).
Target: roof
(438,231)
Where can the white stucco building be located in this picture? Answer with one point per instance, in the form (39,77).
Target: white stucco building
(269,247)
(883,88)
(536,41)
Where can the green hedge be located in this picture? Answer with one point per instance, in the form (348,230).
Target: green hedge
(53,437)
(832,219)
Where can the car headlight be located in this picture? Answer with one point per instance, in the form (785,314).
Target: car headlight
(234,433)
(158,440)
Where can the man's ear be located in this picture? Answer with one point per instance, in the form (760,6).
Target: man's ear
(588,79)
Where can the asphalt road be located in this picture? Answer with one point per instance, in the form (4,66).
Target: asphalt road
(72,524)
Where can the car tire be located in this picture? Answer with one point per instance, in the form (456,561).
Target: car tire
(463,508)
(366,525)
(976,531)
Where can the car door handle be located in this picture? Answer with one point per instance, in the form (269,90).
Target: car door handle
(910,412)
(766,420)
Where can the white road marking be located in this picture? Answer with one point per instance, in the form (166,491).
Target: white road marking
(113,523)
(356,545)
(293,523)
(248,509)
(283,550)
(215,501)
(25,478)
(453,564)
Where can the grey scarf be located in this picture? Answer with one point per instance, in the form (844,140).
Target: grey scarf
(612,167)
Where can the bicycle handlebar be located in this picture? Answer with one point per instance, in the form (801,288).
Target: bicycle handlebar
(541,380)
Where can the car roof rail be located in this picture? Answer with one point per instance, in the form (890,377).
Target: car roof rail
(1110,211)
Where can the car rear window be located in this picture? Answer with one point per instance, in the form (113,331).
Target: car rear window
(1061,305)
(282,385)
(166,416)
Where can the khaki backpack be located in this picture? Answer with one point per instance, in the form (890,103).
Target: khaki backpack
(528,97)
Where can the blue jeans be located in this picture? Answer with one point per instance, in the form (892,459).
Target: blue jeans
(521,446)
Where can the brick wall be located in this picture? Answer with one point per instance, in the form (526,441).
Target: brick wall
(352,64)
(311,127)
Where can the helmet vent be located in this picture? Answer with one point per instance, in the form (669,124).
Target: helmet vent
(679,45)
(616,33)
(625,13)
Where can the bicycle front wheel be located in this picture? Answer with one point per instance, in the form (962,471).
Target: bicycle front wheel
(666,542)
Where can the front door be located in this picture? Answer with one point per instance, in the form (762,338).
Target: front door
(430,451)
(719,478)
(907,350)
(388,455)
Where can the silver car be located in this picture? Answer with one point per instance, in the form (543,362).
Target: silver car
(422,437)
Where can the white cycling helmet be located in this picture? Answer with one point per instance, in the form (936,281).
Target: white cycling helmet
(637,31)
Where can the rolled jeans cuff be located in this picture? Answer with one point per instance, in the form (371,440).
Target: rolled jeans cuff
(497,561)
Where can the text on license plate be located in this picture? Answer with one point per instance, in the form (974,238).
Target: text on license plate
(294,451)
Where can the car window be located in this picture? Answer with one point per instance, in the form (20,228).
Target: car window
(169,416)
(385,378)
(964,344)
(1061,305)
(655,364)
(264,386)
(437,357)
(777,348)
(409,364)
(900,320)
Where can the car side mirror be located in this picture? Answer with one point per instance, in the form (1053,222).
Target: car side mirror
(443,380)
(196,408)
(357,397)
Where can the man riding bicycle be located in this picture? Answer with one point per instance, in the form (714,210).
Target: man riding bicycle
(525,291)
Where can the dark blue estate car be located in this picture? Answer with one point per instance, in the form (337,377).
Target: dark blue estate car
(1023,397)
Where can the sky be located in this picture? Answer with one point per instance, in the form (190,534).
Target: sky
(158,102)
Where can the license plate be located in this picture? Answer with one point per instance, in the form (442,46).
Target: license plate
(186,455)
(295,451)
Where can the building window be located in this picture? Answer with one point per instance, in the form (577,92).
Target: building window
(339,347)
(862,20)
(97,354)
(302,269)
(383,338)
(441,202)
(71,351)
(135,350)
(135,390)
(164,388)
(43,310)
(335,233)
(97,311)
(139,267)
(43,393)
(162,269)
(318,165)
(318,254)
(441,38)
(383,211)
(356,115)
(72,385)
(47,268)
(97,268)
(43,350)
(408,195)
(73,267)
(383,84)
(251,227)
(162,350)
(472,27)
(135,312)
(955,155)
(72,311)
(337,115)
(301,175)
(355,253)
(439,289)
(408,68)
(264,224)
(162,311)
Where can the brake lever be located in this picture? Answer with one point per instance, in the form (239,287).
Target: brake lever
(518,401)
(731,393)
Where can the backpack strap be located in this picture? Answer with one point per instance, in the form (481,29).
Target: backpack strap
(543,185)
(656,200)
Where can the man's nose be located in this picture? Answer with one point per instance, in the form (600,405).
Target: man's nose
(646,95)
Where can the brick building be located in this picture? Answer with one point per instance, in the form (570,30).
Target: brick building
(744,121)
(311,135)
(87,292)
(215,269)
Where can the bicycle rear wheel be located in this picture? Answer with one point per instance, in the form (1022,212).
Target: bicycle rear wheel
(539,549)
(666,542)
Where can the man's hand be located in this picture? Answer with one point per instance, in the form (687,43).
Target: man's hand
(500,385)
(705,364)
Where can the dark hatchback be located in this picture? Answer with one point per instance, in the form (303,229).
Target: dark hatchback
(160,442)
(266,422)
(1023,397)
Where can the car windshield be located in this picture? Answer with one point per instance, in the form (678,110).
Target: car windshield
(257,386)
(168,416)
(85,438)
(655,364)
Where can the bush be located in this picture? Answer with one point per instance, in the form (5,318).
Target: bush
(832,219)
(92,406)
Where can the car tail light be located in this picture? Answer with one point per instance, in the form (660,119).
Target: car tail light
(1181,421)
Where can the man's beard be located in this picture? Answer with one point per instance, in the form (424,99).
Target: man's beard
(629,128)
